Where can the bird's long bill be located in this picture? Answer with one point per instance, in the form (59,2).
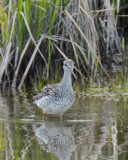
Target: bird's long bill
(74,75)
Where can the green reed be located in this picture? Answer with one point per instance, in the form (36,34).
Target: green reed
(51,25)
(30,30)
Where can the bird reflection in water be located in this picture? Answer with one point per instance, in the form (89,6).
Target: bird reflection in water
(55,137)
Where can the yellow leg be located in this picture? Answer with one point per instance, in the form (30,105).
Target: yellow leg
(43,116)
(61,117)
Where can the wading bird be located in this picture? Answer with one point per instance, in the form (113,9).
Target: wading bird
(57,98)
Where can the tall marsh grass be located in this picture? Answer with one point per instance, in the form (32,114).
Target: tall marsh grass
(35,33)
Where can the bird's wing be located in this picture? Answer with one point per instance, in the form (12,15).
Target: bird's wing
(47,90)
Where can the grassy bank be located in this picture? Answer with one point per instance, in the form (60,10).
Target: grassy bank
(35,36)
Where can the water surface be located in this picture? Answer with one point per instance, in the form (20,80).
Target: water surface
(95,128)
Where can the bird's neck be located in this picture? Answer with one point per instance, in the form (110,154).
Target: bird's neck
(67,79)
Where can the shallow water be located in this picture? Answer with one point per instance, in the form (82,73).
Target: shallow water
(94,128)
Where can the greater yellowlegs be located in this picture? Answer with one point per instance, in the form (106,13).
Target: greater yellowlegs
(57,98)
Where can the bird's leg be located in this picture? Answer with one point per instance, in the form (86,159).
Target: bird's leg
(43,116)
(61,117)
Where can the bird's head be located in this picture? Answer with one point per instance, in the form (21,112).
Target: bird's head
(69,65)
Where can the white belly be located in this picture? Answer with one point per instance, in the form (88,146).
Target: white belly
(57,107)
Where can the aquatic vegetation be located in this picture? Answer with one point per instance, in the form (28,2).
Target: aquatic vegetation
(37,34)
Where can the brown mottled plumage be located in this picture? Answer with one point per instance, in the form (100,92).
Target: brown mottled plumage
(47,90)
